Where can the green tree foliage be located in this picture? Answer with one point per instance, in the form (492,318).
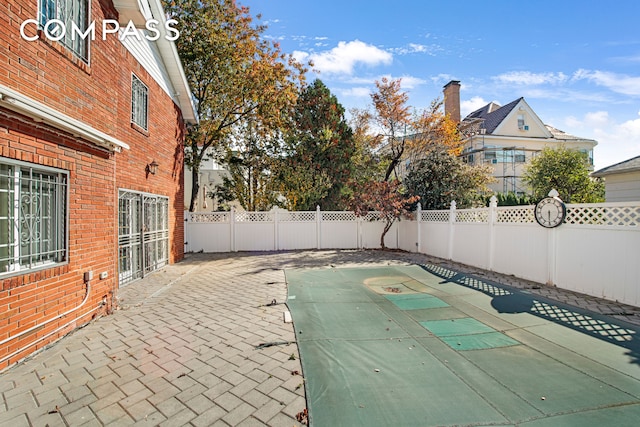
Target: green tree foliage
(510,199)
(440,177)
(318,152)
(565,170)
(367,163)
(233,73)
(249,163)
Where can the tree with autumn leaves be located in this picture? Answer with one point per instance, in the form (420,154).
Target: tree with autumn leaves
(403,138)
(234,74)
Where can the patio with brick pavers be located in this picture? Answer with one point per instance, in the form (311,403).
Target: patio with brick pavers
(200,343)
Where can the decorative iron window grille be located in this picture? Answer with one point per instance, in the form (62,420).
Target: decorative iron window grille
(70,12)
(139,102)
(33,217)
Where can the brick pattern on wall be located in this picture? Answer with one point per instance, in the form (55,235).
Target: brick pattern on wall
(98,94)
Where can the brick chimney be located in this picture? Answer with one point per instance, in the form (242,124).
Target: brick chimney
(452,100)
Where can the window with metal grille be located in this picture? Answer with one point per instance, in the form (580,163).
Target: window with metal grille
(139,102)
(70,12)
(33,217)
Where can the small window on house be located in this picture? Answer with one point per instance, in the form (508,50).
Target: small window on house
(520,157)
(139,103)
(521,124)
(71,13)
(33,217)
(588,155)
(490,155)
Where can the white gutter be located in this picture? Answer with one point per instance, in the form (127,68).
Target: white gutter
(173,65)
(40,112)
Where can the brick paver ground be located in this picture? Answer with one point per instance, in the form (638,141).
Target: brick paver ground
(185,347)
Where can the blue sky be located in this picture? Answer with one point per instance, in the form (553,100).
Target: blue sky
(576,63)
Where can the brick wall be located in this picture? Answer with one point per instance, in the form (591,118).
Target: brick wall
(98,94)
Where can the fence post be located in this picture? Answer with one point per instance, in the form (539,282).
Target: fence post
(419,221)
(452,222)
(232,230)
(359,243)
(552,248)
(493,217)
(318,226)
(276,238)
(187,217)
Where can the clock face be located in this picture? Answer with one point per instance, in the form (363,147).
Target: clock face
(550,212)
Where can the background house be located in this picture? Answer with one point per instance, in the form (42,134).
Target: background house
(211,175)
(507,137)
(91,164)
(621,181)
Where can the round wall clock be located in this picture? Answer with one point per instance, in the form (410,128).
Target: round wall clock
(550,212)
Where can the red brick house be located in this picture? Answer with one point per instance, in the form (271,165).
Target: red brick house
(91,160)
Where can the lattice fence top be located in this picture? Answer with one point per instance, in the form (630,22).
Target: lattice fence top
(210,217)
(622,216)
(472,215)
(515,214)
(601,214)
(434,216)
(338,216)
(254,217)
(373,216)
(296,216)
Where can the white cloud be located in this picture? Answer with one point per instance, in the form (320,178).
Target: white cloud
(417,48)
(528,78)
(343,58)
(616,141)
(619,83)
(406,82)
(356,92)
(598,118)
(471,105)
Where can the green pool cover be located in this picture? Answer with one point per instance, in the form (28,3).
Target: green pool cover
(425,346)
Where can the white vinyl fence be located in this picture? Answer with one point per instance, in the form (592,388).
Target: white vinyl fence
(595,251)
(282,230)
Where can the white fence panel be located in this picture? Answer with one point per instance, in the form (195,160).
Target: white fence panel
(208,232)
(601,262)
(471,244)
(434,238)
(339,235)
(409,237)
(297,235)
(371,231)
(255,236)
(521,250)
(209,237)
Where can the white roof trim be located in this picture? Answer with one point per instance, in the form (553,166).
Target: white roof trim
(136,11)
(22,104)
(173,66)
